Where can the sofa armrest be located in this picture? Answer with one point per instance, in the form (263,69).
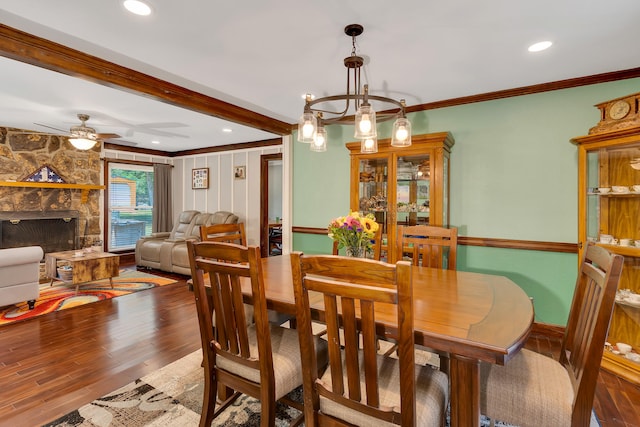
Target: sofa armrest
(175,240)
(158,235)
(20,256)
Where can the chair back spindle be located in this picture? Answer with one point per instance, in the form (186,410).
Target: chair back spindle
(428,245)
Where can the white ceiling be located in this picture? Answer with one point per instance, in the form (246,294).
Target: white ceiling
(263,55)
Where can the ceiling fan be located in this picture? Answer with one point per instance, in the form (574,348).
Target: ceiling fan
(84,132)
(84,137)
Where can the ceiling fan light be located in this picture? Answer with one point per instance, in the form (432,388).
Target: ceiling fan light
(365,123)
(307,127)
(82,143)
(401,136)
(369,145)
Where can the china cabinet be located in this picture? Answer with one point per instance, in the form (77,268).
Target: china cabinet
(609,215)
(402,185)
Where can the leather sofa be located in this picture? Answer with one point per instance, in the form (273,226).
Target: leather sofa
(167,251)
(20,275)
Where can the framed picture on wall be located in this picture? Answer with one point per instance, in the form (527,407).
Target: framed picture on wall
(200,178)
(240,172)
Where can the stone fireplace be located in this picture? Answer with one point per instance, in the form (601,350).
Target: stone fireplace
(21,154)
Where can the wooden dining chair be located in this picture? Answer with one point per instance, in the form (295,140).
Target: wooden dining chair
(259,359)
(428,245)
(361,387)
(235,233)
(376,246)
(230,233)
(536,390)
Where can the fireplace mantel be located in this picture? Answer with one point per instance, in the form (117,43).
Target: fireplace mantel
(83,187)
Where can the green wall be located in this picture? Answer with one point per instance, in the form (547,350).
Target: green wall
(513,176)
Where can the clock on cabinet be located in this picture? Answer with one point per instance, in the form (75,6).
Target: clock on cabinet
(619,113)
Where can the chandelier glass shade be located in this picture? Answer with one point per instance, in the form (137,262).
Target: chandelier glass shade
(401,135)
(335,110)
(83,143)
(319,142)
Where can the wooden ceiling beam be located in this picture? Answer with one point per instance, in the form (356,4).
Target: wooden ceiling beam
(27,48)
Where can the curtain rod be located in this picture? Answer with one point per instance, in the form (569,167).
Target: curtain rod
(133,162)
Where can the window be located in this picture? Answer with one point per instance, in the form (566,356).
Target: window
(130,205)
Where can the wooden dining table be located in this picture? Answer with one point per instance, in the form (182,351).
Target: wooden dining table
(471,317)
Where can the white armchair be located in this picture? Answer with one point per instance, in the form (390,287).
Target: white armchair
(20,275)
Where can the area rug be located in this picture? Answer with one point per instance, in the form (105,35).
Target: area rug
(172,396)
(62,297)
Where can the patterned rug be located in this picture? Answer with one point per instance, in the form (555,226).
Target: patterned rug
(62,297)
(172,396)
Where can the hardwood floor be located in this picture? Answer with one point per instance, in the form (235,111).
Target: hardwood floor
(58,362)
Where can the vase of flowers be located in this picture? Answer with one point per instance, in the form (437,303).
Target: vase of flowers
(354,233)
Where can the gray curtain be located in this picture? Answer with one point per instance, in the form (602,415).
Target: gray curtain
(162,215)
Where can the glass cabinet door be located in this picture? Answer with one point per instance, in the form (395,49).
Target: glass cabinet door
(611,218)
(372,189)
(413,190)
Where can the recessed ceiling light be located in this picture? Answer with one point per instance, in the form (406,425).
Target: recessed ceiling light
(227,130)
(537,47)
(155,142)
(138,7)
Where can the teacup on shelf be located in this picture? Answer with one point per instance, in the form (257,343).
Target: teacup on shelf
(619,189)
(626,242)
(608,239)
(636,188)
(633,298)
(604,190)
(623,348)
(633,356)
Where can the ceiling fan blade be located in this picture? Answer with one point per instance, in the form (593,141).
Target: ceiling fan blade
(34,132)
(51,127)
(122,142)
(107,135)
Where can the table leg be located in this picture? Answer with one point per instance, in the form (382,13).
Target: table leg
(111,281)
(465,391)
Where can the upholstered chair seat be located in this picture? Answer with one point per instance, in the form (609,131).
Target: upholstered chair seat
(431,390)
(287,366)
(533,387)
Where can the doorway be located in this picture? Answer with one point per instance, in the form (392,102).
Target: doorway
(271,204)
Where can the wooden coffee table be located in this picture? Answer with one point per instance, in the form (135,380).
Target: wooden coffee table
(89,267)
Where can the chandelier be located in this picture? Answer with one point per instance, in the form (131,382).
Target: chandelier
(317,113)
